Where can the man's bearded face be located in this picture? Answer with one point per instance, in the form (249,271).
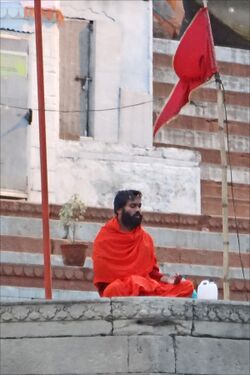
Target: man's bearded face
(130,221)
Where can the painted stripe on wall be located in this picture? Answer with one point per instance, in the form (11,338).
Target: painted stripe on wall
(191,138)
(233,55)
(231,83)
(208,110)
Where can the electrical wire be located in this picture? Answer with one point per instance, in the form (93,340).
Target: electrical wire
(79,111)
(232,188)
(90,110)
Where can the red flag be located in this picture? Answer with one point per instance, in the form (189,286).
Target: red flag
(194,63)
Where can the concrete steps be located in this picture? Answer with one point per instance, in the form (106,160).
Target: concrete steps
(16,293)
(188,244)
(238,199)
(125,336)
(17,274)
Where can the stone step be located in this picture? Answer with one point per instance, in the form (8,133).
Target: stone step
(203,140)
(223,54)
(181,240)
(32,275)
(32,278)
(17,294)
(206,125)
(26,275)
(232,84)
(212,172)
(212,206)
(203,94)
(28,259)
(201,257)
(163,237)
(208,110)
(213,189)
(163,60)
(238,199)
(239,159)
(207,144)
(28,245)
(13,262)
(101,215)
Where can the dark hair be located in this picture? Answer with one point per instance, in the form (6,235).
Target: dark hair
(123,196)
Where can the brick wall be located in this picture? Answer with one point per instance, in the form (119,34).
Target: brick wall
(196,128)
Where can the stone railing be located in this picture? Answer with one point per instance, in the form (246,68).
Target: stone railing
(125,336)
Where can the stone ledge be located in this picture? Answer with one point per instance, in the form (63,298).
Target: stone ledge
(94,214)
(78,278)
(142,309)
(125,336)
(37,271)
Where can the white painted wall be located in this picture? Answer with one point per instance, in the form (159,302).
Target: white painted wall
(51,88)
(168,178)
(120,154)
(134,19)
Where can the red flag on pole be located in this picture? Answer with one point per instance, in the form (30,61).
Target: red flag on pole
(194,63)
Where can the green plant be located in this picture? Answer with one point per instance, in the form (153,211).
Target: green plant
(70,213)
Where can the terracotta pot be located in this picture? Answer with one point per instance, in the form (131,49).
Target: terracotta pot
(74,254)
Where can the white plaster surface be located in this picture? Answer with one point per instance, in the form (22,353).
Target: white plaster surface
(106,80)
(136,41)
(118,66)
(133,119)
(168,178)
(51,90)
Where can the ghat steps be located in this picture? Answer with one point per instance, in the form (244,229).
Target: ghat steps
(188,244)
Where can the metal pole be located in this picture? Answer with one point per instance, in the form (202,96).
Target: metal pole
(224,194)
(43,156)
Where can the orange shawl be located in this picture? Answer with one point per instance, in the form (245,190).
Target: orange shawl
(118,254)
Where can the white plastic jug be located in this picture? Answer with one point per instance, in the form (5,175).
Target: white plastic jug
(207,290)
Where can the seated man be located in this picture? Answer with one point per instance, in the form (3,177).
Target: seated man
(124,258)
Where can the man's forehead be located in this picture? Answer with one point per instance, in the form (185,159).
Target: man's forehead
(136,199)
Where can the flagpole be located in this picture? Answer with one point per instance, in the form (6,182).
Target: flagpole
(43,152)
(224,193)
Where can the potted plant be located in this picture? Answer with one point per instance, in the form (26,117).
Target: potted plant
(73,252)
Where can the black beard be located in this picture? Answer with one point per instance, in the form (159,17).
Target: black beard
(131,221)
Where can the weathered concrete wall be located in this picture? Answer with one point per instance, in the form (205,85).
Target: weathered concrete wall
(125,336)
(168,178)
(120,153)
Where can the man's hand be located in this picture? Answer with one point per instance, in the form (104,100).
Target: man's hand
(174,279)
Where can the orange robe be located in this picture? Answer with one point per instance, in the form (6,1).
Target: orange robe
(125,265)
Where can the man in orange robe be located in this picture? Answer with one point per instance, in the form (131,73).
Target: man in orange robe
(124,258)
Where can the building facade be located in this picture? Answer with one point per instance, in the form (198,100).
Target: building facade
(98,98)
